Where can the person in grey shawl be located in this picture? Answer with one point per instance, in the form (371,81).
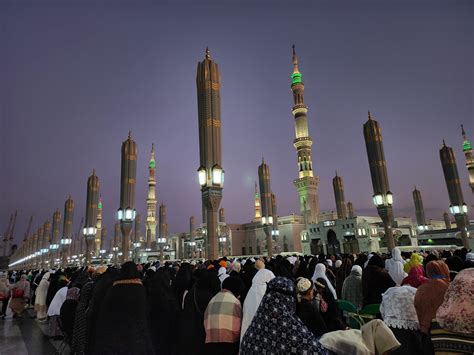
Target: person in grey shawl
(352,287)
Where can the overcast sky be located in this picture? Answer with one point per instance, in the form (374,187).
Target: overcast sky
(76,76)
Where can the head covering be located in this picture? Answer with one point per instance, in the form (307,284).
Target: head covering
(329,261)
(101,269)
(470,257)
(430,295)
(234,284)
(338,263)
(292,259)
(416,277)
(303,285)
(398,309)
(222,274)
(356,270)
(456,313)
(376,260)
(58,300)
(129,271)
(414,260)
(394,266)
(254,297)
(320,272)
(276,320)
(223,263)
(236,266)
(373,338)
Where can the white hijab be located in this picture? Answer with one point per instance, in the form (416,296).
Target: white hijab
(58,300)
(222,274)
(254,297)
(394,266)
(320,272)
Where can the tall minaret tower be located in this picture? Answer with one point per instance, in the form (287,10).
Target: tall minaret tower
(151,201)
(307,183)
(467,149)
(258,210)
(267,205)
(98,225)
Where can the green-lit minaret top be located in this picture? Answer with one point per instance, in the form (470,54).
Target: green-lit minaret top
(466,145)
(99,206)
(296,76)
(152,163)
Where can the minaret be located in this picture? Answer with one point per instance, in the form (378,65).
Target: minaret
(151,202)
(350,210)
(382,198)
(338,187)
(467,149)
(67,230)
(258,211)
(55,237)
(419,210)
(210,171)
(307,183)
(451,176)
(92,201)
(98,235)
(447,220)
(266,199)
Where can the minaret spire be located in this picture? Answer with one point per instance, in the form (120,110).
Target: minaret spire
(306,183)
(258,211)
(151,202)
(468,156)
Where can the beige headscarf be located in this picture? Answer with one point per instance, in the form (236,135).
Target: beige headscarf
(374,338)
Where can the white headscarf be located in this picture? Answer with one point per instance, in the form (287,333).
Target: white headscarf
(254,297)
(398,308)
(394,266)
(320,272)
(58,300)
(222,274)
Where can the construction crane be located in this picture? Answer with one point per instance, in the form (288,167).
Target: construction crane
(5,236)
(28,229)
(13,227)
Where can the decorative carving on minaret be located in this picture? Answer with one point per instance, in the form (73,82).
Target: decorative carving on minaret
(151,201)
(258,210)
(306,183)
(467,150)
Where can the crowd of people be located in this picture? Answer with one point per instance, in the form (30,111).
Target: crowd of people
(282,305)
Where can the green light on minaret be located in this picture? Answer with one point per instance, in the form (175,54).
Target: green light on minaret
(99,206)
(296,78)
(466,145)
(152,164)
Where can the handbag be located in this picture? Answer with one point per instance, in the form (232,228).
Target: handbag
(3,296)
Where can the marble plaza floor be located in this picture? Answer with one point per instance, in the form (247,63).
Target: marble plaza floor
(26,336)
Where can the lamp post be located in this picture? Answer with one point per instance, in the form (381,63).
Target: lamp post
(382,197)
(54,246)
(66,240)
(210,172)
(126,213)
(266,203)
(90,227)
(161,244)
(458,207)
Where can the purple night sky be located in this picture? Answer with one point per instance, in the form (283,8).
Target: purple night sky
(76,76)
